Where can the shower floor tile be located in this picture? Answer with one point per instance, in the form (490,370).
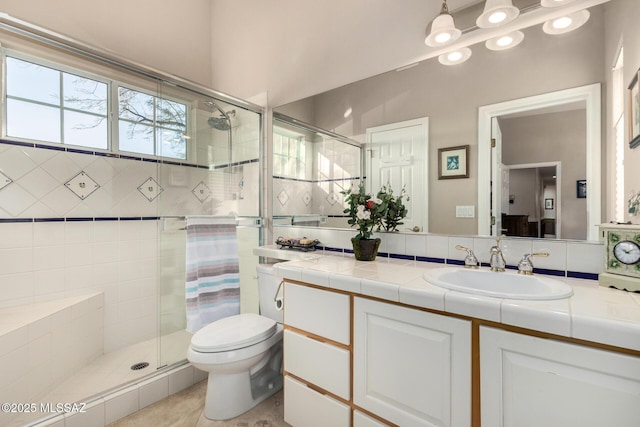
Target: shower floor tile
(113,370)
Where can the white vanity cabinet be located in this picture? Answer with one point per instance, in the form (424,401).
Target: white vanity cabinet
(527,381)
(411,367)
(317,357)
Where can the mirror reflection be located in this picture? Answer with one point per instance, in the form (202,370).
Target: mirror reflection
(543,158)
(310,169)
(451,96)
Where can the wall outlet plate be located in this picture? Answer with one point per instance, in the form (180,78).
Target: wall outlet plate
(465,211)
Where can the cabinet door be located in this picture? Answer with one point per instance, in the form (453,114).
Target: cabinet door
(527,381)
(411,367)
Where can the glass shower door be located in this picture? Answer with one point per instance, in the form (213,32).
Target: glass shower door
(220,178)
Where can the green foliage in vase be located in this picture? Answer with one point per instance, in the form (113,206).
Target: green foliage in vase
(392,208)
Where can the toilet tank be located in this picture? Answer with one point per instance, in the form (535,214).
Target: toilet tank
(268,285)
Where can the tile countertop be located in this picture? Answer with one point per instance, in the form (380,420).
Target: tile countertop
(593,313)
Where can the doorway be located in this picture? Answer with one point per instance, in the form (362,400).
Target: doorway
(533,200)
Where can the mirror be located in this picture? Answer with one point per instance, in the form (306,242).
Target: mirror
(538,131)
(311,167)
(451,97)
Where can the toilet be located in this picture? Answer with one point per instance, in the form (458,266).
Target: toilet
(242,354)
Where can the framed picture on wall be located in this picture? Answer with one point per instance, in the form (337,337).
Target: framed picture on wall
(581,189)
(634,112)
(452,162)
(548,203)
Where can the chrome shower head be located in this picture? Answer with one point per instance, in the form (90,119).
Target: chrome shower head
(220,123)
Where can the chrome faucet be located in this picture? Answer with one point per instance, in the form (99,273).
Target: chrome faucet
(470,261)
(497,261)
(525,266)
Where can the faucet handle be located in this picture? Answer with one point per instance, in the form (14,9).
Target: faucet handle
(470,261)
(525,266)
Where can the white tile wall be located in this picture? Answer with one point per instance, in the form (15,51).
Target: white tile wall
(564,256)
(42,344)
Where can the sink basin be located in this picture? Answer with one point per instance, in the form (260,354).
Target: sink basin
(499,285)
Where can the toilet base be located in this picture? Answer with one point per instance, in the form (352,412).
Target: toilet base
(230,395)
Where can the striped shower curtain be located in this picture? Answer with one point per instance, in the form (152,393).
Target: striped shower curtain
(212,270)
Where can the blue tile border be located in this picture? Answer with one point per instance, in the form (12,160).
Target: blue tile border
(315,181)
(70,149)
(579,275)
(430,259)
(79,219)
(549,272)
(402,256)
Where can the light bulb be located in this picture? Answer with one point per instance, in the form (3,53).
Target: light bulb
(497,17)
(443,37)
(562,23)
(504,41)
(454,56)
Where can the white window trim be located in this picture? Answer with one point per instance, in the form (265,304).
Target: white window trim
(112,109)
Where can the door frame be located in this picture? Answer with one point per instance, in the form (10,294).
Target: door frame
(590,95)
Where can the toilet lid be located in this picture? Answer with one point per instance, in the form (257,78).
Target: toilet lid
(233,332)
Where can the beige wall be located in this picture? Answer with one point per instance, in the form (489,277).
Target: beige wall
(450,97)
(622,29)
(169,35)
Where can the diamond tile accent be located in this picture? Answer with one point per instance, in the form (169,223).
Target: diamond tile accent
(4,180)
(283,197)
(150,189)
(332,198)
(82,185)
(306,198)
(201,191)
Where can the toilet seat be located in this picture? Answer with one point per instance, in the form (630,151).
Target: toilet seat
(231,333)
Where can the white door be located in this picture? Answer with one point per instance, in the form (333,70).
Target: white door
(397,155)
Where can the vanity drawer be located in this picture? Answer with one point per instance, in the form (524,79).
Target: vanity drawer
(362,420)
(319,363)
(304,407)
(319,312)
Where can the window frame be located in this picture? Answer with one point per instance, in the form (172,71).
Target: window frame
(300,163)
(112,114)
(115,125)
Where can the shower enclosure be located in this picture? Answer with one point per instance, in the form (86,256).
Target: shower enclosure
(93,264)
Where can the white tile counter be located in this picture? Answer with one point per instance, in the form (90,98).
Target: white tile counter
(593,313)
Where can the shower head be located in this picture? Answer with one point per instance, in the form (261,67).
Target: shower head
(220,123)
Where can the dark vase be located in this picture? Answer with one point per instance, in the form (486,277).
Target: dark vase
(365,249)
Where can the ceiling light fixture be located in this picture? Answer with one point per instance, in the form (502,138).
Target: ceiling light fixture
(505,41)
(554,3)
(455,57)
(443,30)
(566,23)
(496,13)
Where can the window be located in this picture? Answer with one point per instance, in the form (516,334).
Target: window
(289,154)
(151,125)
(61,107)
(618,92)
(49,105)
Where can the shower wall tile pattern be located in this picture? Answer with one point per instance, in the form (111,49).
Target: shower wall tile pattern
(36,183)
(73,223)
